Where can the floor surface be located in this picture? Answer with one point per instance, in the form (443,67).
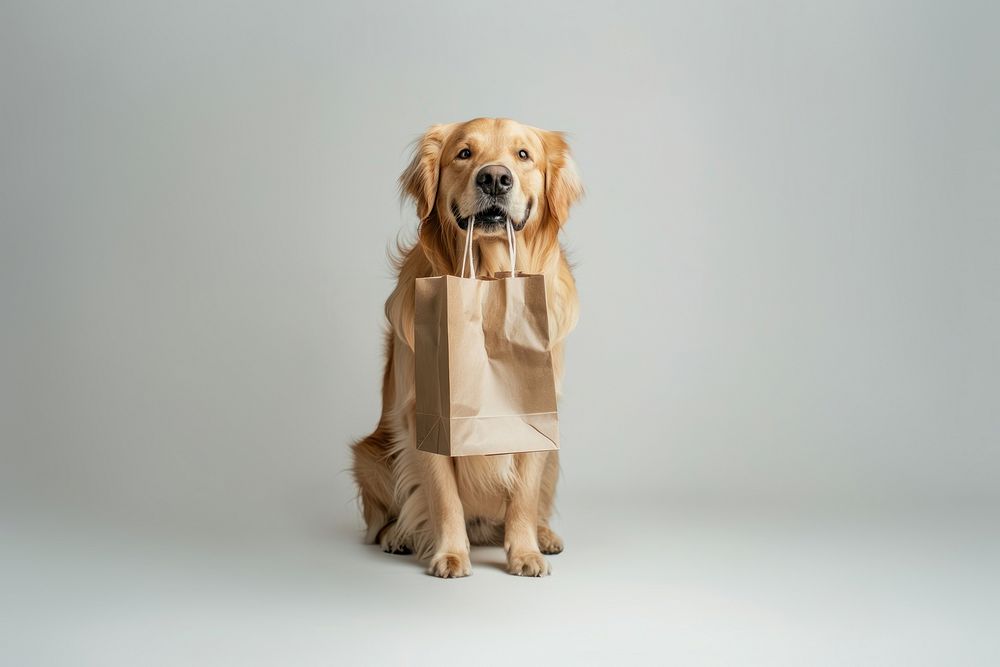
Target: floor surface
(668,584)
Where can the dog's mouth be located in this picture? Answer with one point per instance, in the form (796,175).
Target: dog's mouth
(493,215)
(491,218)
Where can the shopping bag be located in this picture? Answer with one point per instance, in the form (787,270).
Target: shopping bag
(484,374)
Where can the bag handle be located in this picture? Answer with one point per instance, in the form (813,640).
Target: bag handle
(467,252)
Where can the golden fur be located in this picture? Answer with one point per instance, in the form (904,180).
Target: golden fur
(434,505)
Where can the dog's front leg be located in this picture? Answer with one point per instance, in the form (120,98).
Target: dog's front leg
(451,542)
(521,521)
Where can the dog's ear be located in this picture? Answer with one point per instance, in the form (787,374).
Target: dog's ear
(419,181)
(562,182)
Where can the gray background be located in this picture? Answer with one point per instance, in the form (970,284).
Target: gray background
(787,261)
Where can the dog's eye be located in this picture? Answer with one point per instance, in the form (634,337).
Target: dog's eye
(523,154)
(464,154)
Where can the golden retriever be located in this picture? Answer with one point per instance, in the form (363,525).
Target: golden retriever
(433,505)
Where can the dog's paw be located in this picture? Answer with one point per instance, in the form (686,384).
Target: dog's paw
(528,564)
(450,565)
(392,542)
(548,542)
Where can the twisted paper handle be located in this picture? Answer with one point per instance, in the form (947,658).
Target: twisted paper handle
(467,252)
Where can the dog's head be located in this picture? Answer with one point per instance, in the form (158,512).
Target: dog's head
(492,169)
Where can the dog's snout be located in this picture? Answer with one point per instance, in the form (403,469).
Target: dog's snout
(495,180)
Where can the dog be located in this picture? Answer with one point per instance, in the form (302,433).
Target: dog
(436,506)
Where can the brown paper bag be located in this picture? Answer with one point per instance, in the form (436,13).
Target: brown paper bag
(484,378)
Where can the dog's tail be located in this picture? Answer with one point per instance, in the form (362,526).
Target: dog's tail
(373,461)
(373,475)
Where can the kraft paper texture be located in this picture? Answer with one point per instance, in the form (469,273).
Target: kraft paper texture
(484,378)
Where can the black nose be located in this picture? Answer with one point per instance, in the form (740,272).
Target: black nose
(495,180)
